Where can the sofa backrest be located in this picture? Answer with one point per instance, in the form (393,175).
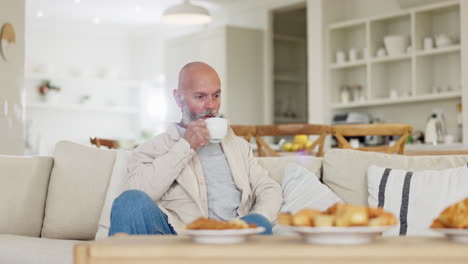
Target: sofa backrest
(276,165)
(23,191)
(77,189)
(345,171)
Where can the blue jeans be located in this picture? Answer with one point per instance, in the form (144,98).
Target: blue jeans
(135,213)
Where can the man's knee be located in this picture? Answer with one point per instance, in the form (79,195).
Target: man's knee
(131,199)
(259,220)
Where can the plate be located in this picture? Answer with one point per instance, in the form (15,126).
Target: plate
(339,235)
(225,236)
(454,234)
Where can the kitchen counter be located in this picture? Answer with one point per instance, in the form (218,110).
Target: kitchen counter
(453,146)
(440,149)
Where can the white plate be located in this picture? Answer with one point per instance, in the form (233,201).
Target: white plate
(339,235)
(226,236)
(454,234)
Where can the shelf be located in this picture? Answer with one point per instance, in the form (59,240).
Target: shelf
(436,51)
(74,79)
(289,38)
(78,107)
(287,78)
(401,100)
(357,22)
(391,58)
(348,24)
(438,6)
(357,63)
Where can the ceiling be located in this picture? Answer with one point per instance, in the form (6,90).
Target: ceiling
(110,11)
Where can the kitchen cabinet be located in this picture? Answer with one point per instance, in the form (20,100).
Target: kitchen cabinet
(417,74)
(289,65)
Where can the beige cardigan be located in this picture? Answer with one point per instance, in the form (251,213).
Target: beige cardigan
(169,171)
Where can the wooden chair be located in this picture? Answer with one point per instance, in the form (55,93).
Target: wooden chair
(265,150)
(244,131)
(402,130)
(109,143)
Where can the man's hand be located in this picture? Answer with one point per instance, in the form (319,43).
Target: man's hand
(197,134)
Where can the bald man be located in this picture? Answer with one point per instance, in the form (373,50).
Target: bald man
(178,176)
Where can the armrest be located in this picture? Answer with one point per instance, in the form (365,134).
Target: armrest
(23,190)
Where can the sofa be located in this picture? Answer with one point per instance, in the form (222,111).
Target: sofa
(47,204)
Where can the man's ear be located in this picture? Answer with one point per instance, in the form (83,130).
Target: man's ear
(178,97)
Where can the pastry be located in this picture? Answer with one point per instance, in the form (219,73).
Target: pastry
(342,215)
(305,217)
(205,223)
(454,216)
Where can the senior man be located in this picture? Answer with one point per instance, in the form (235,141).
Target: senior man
(179,176)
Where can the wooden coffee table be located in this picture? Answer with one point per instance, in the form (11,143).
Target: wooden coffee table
(268,249)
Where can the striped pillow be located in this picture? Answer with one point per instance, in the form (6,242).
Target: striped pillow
(415,197)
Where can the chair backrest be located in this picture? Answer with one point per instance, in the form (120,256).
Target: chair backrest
(401,130)
(244,131)
(109,143)
(264,150)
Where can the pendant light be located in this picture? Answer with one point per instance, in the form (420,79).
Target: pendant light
(186,14)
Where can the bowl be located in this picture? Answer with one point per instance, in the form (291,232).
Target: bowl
(396,44)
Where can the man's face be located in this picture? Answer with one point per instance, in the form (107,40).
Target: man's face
(200,98)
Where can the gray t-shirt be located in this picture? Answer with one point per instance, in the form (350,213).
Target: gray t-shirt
(223,196)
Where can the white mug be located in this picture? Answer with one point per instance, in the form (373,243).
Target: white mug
(428,43)
(217,127)
(340,57)
(393,94)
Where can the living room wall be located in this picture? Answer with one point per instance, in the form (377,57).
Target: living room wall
(11,81)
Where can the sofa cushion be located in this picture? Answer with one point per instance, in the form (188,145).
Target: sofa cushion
(345,171)
(20,250)
(23,191)
(276,165)
(77,189)
(410,196)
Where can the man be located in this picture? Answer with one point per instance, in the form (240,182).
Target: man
(178,176)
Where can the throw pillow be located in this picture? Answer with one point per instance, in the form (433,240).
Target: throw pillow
(76,192)
(415,197)
(345,170)
(302,189)
(118,177)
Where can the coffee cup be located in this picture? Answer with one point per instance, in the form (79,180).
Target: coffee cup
(217,127)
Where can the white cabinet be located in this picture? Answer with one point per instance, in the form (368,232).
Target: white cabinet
(289,69)
(237,55)
(290,87)
(417,74)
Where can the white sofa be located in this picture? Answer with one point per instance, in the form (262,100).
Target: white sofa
(47,204)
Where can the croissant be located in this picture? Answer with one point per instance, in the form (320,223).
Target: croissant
(454,216)
(339,215)
(205,223)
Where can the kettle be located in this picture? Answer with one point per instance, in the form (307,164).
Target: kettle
(435,129)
